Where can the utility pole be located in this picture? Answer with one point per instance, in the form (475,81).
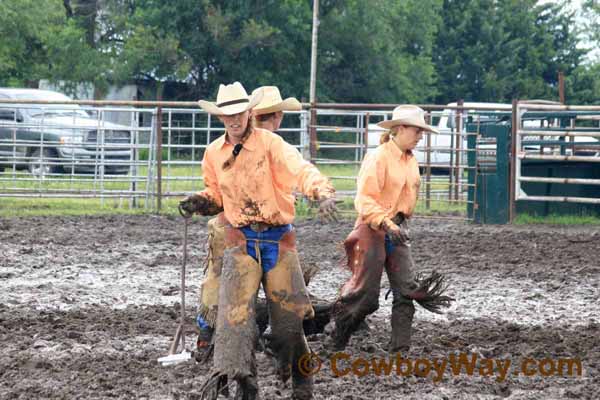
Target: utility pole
(313,82)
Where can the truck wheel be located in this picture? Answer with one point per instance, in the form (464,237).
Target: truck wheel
(40,166)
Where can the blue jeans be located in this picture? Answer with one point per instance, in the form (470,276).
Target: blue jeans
(269,250)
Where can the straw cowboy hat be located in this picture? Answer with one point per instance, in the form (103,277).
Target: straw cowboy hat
(231,99)
(407,115)
(272,101)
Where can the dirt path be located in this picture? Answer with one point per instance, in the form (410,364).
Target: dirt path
(89,304)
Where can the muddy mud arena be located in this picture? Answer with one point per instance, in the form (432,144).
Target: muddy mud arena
(88,305)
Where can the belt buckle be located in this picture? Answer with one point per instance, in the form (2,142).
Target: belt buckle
(258,227)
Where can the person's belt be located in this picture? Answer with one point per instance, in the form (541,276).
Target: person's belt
(260,226)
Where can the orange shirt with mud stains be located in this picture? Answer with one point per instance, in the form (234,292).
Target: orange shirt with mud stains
(259,186)
(388,183)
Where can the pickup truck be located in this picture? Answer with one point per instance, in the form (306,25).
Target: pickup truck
(55,138)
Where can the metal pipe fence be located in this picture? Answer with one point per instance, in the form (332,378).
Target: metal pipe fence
(555,144)
(154,151)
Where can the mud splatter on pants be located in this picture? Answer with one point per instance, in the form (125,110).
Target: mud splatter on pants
(369,251)
(287,299)
(209,289)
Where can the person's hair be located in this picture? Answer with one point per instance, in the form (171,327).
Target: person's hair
(238,147)
(387,135)
(265,117)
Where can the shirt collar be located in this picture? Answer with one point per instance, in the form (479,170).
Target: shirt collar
(395,150)
(220,141)
(249,144)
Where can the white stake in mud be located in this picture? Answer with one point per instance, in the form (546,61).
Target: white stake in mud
(173,358)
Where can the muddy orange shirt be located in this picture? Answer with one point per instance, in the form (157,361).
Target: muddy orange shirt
(388,183)
(259,186)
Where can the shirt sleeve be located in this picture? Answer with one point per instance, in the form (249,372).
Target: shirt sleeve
(313,184)
(370,182)
(291,167)
(211,184)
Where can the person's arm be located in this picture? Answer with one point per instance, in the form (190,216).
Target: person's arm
(313,184)
(297,172)
(211,186)
(370,183)
(208,201)
(291,167)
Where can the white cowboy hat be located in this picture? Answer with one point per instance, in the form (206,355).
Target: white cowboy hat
(410,115)
(272,101)
(231,99)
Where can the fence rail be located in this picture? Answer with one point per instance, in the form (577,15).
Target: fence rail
(559,145)
(146,151)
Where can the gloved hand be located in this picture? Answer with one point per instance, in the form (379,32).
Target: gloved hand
(196,203)
(398,233)
(328,211)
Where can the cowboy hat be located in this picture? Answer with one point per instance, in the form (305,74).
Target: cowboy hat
(231,99)
(410,115)
(272,101)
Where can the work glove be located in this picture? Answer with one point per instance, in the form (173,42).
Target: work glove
(398,233)
(196,203)
(328,211)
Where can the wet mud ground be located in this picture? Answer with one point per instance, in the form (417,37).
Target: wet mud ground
(87,305)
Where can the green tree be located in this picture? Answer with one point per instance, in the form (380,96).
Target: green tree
(583,85)
(38,41)
(368,51)
(491,50)
(378,51)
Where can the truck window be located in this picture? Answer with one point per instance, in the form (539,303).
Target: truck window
(7,115)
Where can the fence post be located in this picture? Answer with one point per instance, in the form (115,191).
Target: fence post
(304,135)
(513,160)
(459,129)
(313,132)
(428,166)
(366,136)
(158,159)
(451,154)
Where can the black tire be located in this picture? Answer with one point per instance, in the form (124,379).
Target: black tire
(37,168)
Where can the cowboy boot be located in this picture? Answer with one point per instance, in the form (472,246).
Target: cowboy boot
(402,319)
(204,345)
(247,388)
(337,338)
(302,383)
(302,387)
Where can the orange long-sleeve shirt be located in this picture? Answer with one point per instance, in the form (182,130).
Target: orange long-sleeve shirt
(388,183)
(259,186)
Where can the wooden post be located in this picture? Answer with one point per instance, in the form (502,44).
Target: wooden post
(561,87)
(313,132)
(313,81)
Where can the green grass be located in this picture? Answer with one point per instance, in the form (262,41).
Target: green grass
(13,207)
(81,206)
(527,219)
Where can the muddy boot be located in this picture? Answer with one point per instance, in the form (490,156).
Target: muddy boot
(247,388)
(214,386)
(204,345)
(402,319)
(340,337)
(302,386)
